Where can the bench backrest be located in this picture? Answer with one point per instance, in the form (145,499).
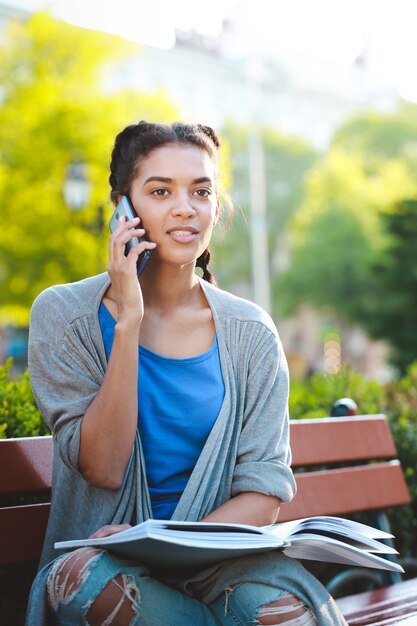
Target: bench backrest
(25,470)
(369,479)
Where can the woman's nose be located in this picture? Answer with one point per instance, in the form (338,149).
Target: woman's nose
(183,207)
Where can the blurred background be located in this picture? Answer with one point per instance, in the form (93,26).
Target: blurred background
(316,106)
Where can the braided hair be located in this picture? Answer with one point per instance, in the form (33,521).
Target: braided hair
(137,140)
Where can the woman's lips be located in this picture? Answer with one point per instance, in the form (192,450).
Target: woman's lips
(183,235)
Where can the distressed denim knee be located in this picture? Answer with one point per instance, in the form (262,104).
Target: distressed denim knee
(95,588)
(261,605)
(287,611)
(77,597)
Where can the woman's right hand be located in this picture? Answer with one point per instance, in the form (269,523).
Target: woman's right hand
(110,422)
(109,529)
(126,290)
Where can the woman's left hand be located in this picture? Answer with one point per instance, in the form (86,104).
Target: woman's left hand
(109,529)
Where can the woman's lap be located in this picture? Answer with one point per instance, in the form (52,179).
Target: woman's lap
(154,602)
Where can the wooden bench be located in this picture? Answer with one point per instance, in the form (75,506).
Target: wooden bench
(361,474)
(343,465)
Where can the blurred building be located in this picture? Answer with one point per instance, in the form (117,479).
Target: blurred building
(213,79)
(211,82)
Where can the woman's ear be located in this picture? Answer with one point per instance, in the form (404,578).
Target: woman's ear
(117,199)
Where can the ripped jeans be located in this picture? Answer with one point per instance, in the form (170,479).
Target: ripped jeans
(91,587)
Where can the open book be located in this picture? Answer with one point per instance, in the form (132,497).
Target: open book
(173,546)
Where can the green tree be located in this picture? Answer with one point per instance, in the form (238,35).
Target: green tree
(340,232)
(337,233)
(380,136)
(395,275)
(56,108)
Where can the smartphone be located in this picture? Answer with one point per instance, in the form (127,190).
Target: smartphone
(125,208)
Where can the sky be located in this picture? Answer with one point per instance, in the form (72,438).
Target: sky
(334,30)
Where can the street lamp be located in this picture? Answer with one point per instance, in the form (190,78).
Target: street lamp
(76,190)
(76,186)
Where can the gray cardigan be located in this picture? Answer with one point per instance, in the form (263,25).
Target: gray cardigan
(247,449)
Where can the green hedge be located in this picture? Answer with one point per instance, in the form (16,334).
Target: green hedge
(19,415)
(314,397)
(311,397)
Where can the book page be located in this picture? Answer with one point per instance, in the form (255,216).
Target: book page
(312,548)
(330,524)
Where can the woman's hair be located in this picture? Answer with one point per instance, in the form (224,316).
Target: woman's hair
(137,140)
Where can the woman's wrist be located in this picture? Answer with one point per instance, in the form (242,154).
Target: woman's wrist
(127,326)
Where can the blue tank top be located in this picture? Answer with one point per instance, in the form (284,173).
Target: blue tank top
(179,401)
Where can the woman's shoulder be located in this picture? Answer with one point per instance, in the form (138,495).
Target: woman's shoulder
(227,305)
(68,301)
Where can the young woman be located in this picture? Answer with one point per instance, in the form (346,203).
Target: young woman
(194,428)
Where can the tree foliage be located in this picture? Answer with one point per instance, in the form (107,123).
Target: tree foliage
(351,254)
(56,108)
(379,136)
(19,415)
(395,275)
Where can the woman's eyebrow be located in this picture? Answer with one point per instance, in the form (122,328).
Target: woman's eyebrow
(161,179)
(164,179)
(203,179)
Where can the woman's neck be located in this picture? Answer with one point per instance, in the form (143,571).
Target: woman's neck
(168,288)
(177,321)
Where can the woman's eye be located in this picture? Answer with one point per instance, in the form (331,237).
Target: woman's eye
(203,193)
(159,192)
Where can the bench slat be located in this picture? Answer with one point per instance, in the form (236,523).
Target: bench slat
(337,492)
(347,490)
(25,464)
(326,440)
(22,532)
(397,603)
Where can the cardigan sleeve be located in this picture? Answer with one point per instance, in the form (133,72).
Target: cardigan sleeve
(264,455)
(65,374)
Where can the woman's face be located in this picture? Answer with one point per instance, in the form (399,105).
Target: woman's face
(175,196)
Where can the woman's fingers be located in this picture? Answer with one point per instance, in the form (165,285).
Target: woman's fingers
(110,529)
(124,233)
(126,230)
